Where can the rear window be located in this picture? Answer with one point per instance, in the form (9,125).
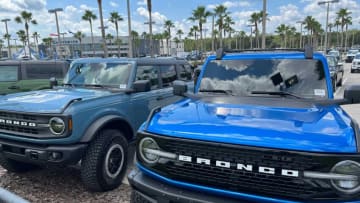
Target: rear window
(184,72)
(305,78)
(43,71)
(168,75)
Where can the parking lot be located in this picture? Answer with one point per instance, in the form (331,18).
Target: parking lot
(63,184)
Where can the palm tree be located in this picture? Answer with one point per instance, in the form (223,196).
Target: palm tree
(79,35)
(102,28)
(193,33)
(282,31)
(228,22)
(22,37)
(220,12)
(109,37)
(200,15)
(26,17)
(48,41)
(135,41)
(115,18)
(310,24)
(8,37)
(179,33)
(90,16)
(344,18)
(168,24)
(255,19)
(36,36)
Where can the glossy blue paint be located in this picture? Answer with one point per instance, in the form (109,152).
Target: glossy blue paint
(316,129)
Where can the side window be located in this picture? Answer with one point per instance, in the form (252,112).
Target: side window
(184,72)
(8,73)
(148,73)
(43,71)
(168,75)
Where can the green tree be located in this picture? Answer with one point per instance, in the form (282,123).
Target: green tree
(26,18)
(220,11)
(255,19)
(168,24)
(200,15)
(79,36)
(36,37)
(90,16)
(22,37)
(115,18)
(179,33)
(135,41)
(102,28)
(281,30)
(344,18)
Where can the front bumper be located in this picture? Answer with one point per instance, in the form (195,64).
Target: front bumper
(42,154)
(149,190)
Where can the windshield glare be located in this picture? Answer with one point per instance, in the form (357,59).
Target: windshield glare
(305,78)
(104,74)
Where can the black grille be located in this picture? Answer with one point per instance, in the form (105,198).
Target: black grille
(7,115)
(277,185)
(18,128)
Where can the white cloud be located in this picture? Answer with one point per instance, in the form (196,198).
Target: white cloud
(142,3)
(113,4)
(230,4)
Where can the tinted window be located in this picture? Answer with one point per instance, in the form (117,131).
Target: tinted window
(148,73)
(184,72)
(43,71)
(8,73)
(305,78)
(168,74)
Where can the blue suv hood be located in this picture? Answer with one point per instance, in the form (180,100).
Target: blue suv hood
(311,128)
(46,101)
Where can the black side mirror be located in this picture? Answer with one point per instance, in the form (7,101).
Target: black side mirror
(352,94)
(142,86)
(180,87)
(53,82)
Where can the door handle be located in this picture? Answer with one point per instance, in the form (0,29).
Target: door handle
(14,87)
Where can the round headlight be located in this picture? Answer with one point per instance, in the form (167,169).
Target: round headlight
(146,145)
(57,125)
(347,168)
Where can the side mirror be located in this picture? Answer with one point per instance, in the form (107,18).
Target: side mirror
(180,87)
(142,86)
(352,94)
(53,82)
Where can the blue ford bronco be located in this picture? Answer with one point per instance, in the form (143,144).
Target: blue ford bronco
(262,126)
(91,119)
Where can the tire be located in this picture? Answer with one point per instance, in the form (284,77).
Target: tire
(105,162)
(16,166)
(334,85)
(352,71)
(341,81)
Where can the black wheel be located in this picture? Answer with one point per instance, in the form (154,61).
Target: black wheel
(341,80)
(104,164)
(352,71)
(16,166)
(334,85)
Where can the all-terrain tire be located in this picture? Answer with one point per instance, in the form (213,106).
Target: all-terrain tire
(16,166)
(105,162)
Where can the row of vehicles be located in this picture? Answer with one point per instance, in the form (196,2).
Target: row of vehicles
(257,126)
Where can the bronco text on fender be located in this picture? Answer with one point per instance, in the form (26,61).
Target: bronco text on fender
(262,126)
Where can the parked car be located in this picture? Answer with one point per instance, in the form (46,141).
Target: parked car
(355,66)
(350,55)
(336,69)
(22,76)
(261,127)
(92,118)
(335,53)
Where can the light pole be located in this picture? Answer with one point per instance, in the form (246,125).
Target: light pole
(327,18)
(301,23)
(57,22)
(7,34)
(263,37)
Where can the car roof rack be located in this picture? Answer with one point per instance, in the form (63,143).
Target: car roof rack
(308,51)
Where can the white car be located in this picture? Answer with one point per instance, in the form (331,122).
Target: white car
(350,55)
(355,66)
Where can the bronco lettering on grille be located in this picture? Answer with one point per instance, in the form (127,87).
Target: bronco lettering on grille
(240,166)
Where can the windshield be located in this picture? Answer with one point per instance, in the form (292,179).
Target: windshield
(104,74)
(334,53)
(305,78)
(357,56)
(353,51)
(331,62)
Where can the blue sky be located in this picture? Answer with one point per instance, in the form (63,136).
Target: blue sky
(178,11)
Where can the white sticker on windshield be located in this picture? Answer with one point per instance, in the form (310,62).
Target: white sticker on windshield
(319,92)
(122,86)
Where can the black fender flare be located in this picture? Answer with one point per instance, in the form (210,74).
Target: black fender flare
(98,124)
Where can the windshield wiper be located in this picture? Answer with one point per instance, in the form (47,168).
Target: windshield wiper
(94,85)
(281,93)
(217,91)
